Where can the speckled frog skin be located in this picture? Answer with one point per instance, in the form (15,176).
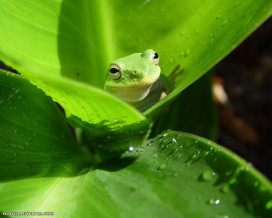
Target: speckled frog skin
(136,79)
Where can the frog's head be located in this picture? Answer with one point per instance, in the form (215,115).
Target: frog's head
(130,78)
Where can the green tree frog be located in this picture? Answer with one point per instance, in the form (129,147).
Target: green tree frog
(136,79)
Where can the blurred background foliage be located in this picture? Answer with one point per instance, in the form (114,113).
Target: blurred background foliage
(247,79)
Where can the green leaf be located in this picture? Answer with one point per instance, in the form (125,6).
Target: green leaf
(111,127)
(34,135)
(91,105)
(110,123)
(58,37)
(192,111)
(78,40)
(169,176)
(191,34)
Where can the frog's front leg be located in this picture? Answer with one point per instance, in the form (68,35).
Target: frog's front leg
(169,82)
(163,95)
(176,73)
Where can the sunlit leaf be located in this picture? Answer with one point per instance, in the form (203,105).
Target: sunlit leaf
(34,136)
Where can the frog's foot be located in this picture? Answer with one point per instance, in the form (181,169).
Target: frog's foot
(163,95)
(176,73)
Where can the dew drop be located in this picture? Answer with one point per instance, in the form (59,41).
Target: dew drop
(225,189)
(140,150)
(175,141)
(18,146)
(217,201)
(228,173)
(232,181)
(181,54)
(82,108)
(213,201)
(188,164)
(187,52)
(208,175)
(131,148)
(161,136)
(162,166)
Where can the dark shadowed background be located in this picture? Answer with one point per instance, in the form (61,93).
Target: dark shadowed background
(247,79)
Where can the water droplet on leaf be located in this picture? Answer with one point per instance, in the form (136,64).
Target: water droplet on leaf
(225,189)
(214,201)
(18,146)
(162,166)
(187,52)
(130,148)
(208,175)
(175,174)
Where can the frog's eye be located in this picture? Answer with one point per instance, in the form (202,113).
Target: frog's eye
(156,58)
(115,71)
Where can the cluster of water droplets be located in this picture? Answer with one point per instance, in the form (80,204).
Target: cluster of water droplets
(135,150)
(170,146)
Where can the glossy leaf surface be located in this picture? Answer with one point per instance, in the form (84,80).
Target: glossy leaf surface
(169,176)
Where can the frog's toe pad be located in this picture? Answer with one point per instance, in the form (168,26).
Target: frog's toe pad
(163,95)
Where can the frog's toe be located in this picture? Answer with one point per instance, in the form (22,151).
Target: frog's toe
(163,95)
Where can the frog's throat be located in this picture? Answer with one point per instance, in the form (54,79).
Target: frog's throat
(132,94)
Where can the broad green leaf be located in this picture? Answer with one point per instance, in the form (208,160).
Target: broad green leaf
(194,34)
(91,105)
(192,111)
(34,136)
(79,39)
(100,113)
(60,37)
(172,175)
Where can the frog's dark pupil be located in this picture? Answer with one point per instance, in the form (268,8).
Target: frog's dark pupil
(155,55)
(114,70)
